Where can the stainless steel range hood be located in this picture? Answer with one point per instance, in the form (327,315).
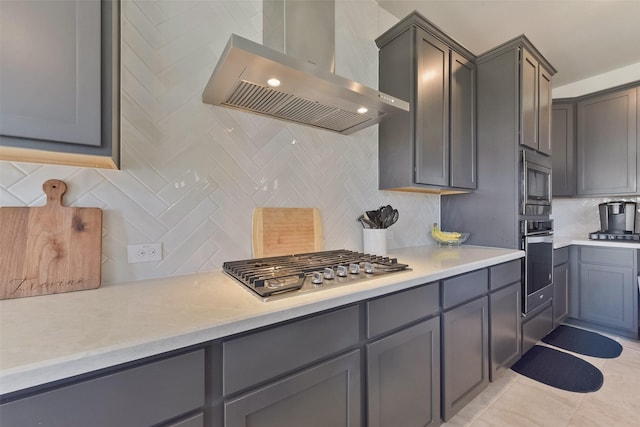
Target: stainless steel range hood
(308,93)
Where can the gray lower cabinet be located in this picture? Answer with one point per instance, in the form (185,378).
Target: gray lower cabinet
(465,339)
(296,373)
(536,325)
(403,377)
(327,394)
(505,314)
(465,355)
(604,287)
(410,358)
(607,144)
(145,395)
(560,285)
(59,86)
(196,420)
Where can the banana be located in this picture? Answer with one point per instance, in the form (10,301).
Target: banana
(444,236)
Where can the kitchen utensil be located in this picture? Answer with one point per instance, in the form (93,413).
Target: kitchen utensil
(390,218)
(285,231)
(374,216)
(49,249)
(367,222)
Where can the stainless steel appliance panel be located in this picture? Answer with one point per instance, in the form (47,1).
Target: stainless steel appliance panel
(535,184)
(537,242)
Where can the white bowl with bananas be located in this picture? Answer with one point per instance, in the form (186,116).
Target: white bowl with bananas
(452,238)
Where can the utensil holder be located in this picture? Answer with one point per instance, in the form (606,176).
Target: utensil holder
(374,241)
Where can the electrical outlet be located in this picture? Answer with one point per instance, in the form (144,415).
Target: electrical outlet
(145,252)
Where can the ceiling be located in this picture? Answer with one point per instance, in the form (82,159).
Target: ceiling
(580,38)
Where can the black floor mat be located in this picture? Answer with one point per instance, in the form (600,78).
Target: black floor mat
(584,342)
(559,369)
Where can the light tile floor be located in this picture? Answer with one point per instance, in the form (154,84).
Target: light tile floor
(515,400)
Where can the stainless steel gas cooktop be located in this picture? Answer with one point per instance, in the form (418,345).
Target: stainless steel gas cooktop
(295,274)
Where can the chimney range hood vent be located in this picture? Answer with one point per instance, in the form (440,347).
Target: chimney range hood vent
(258,79)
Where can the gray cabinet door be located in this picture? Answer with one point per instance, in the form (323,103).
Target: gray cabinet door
(145,395)
(465,355)
(432,110)
(327,394)
(563,141)
(60,82)
(403,377)
(50,80)
(462,172)
(607,295)
(529,101)
(505,313)
(544,111)
(607,144)
(560,293)
(535,99)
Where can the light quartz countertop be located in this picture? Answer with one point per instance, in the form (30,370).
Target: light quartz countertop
(52,337)
(563,241)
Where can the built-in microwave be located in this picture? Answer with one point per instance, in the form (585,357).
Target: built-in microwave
(535,184)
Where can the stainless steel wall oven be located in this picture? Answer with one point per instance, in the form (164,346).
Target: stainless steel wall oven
(537,242)
(535,184)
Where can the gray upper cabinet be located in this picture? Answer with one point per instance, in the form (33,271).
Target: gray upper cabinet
(431,148)
(535,87)
(563,140)
(607,144)
(58,86)
(462,142)
(432,110)
(500,105)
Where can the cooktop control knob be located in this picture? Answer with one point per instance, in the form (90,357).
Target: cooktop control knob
(342,271)
(354,268)
(329,273)
(317,278)
(368,268)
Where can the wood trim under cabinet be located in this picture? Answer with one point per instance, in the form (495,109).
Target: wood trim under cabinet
(17,154)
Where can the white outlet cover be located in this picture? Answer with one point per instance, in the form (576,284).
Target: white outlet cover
(145,252)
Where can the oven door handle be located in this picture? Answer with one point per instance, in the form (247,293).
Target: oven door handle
(539,239)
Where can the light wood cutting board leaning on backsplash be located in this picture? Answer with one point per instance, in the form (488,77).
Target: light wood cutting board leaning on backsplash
(49,249)
(285,231)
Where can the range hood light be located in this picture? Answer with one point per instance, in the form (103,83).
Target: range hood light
(273,82)
(362,110)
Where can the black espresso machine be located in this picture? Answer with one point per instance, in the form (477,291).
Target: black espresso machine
(617,222)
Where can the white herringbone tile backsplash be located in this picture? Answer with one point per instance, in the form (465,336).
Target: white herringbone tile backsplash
(192,173)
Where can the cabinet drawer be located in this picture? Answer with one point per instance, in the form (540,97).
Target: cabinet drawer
(145,395)
(464,288)
(254,358)
(536,328)
(393,311)
(326,394)
(196,420)
(610,256)
(560,256)
(505,274)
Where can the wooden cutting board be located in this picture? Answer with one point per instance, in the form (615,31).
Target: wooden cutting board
(49,249)
(286,231)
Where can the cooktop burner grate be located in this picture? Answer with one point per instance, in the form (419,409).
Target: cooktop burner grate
(272,276)
(607,235)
